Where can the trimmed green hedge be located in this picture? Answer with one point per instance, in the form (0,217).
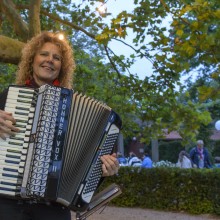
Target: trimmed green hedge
(195,191)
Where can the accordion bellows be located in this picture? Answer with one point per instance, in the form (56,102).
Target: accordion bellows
(56,154)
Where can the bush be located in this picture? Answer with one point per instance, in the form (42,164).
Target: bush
(170,150)
(195,191)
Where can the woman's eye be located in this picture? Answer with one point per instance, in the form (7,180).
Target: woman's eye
(57,58)
(43,54)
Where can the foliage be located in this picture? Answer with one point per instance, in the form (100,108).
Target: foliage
(7,75)
(170,150)
(216,149)
(190,43)
(194,191)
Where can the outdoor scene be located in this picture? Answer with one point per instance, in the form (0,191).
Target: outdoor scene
(152,67)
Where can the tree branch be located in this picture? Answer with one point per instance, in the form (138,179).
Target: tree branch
(10,50)
(57,18)
(34,18)
(111,61)
(19,26)
(128,45)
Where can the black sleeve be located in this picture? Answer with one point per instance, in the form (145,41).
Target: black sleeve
(3,97)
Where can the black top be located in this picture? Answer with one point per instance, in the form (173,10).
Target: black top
(3,97)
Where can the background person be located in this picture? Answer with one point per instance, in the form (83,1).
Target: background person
(147,162)
(184,160)
(121,159)
(133,160)
(200,155)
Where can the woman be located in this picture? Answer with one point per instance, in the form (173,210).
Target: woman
(46,59)
(184,160)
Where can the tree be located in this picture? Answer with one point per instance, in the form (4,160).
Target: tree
(172,51)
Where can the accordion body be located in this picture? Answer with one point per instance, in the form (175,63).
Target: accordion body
(56,154)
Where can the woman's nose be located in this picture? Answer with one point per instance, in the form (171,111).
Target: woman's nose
(50,58)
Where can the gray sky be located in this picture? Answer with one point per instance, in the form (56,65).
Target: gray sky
(142,66)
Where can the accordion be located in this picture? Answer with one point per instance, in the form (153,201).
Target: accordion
(56,154)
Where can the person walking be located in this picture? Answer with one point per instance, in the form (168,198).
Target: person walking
(200,155)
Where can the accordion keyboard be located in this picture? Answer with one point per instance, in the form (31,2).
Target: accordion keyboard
(13,150)
(96,172)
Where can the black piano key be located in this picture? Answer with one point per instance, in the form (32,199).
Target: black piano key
(24,101)
(10,169)
(10,175)
(22,108)
(8,189)
(14,151)
(13,156)
(11,161)
(16,138)
(8,183)
(15,143)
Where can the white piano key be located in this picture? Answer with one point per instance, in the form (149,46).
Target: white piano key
(20,102)
(8,192)
(16,95)
(20,107)
(17,141)
(11,99)
(7,155)
(21,90)
(6,172)
(20,112)
(11,181)
(19,169)
(15,150)
(4,151)
(6,144)
(11,177)
(6,158)
(9,186)
(8,178)
(12,163)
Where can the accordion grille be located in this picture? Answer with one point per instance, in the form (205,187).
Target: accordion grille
(87,123)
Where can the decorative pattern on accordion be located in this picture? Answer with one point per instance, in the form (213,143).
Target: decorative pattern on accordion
(43,142)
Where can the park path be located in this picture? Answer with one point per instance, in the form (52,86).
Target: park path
(118,213)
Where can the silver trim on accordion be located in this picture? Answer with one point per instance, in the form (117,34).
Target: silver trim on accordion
(56,154)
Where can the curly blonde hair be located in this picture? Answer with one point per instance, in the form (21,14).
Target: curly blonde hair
(25,67)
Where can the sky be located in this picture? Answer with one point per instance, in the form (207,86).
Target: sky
(142,66)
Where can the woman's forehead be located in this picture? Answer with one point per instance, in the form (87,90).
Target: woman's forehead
(48,46)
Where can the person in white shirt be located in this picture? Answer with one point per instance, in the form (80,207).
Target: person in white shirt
(134,161)
(184,160)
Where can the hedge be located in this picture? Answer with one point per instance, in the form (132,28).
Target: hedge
(196,191)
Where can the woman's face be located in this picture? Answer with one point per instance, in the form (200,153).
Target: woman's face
(47,64)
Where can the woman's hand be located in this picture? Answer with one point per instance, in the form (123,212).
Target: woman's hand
(110,165)
(6,124)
